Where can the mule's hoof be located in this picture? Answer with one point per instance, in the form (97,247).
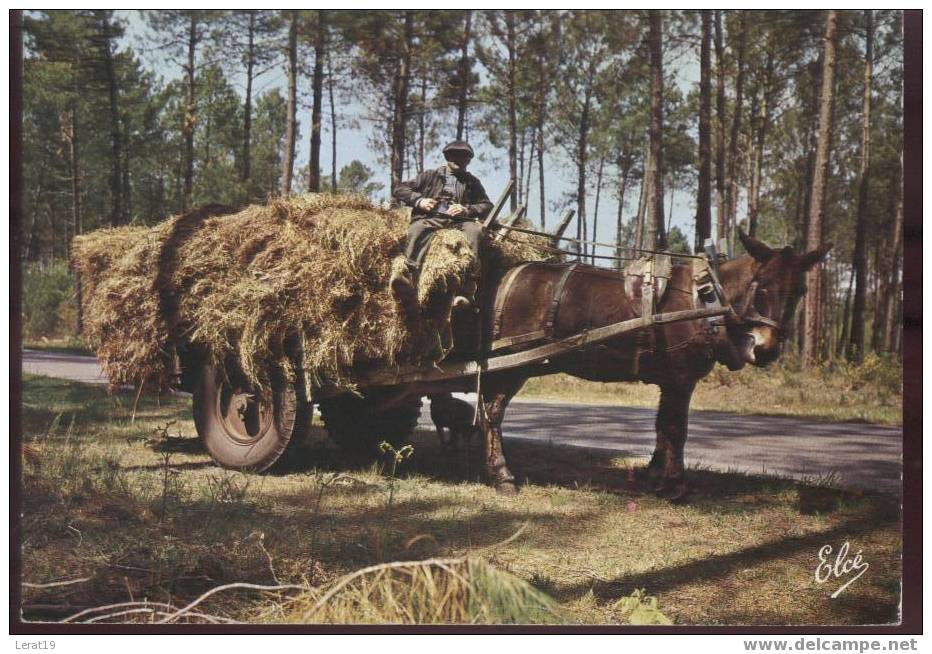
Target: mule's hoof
(506,488)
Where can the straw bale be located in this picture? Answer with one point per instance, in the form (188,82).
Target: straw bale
(306,273)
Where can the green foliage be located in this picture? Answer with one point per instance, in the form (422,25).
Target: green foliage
(355,178)
(640,608)
(883,372)
(48,300)
(677,241)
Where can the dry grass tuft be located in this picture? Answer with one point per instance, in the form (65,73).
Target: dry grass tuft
(305,273)
(433,591)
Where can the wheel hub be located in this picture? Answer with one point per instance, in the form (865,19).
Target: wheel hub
(245,417)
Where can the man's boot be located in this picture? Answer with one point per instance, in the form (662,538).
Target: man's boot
(403,286)
(467,296)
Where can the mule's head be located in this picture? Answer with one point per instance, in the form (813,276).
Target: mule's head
(764,291)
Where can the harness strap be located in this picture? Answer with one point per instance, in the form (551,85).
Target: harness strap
(558,292)
(647,291)
(708,292)
(502,297)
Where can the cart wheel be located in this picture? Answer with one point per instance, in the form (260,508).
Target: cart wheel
(358,430)
(243,429)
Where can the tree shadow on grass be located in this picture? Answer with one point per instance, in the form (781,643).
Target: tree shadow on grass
(50,406)
(573,468)
(718,567)
(570,467)
(178,444)
(191,465)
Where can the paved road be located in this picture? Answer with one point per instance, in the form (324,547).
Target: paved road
(863,456)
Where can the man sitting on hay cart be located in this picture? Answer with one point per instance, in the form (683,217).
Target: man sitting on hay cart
(446,197)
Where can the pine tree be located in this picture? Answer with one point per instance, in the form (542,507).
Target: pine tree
(814,237)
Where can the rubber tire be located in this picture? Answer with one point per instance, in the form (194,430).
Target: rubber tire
(358,431)
(256,456)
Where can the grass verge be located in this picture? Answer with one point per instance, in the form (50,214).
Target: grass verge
(72,345)
(871,392)
(125,511)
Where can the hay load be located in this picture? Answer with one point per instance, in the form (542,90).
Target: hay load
(308,274)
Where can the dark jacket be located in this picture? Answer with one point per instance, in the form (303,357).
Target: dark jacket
(429,184)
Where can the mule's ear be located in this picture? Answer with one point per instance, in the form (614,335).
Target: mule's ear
(810,259)
(757,249)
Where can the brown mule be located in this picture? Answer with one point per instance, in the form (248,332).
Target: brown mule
(559,300)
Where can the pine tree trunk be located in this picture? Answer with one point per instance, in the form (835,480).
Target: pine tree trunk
(207,135)
(855,351)
(317,86)
(892,295)
(646,185)
(619,221)
(72,139)
(31,252)
(540,175)
(512,105)
(807,191)
(422,124)
(462,100)
(245,167)
(595,210)
(127,188)
(720,132)
(116,136)
(825,311)
(757,159)
(731,181)
(656,236)
(704,199)
(845,319)
(190,118)
(333,125)
(582,153)
(881,277)
(750,154)
(530,168)
(522,143)
(812,341)
(291,132)
(541,110)
(400,102)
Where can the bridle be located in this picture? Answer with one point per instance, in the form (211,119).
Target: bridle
(749,314)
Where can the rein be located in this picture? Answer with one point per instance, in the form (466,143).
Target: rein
(614,246)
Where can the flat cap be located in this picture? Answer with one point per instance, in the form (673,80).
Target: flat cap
(459,146)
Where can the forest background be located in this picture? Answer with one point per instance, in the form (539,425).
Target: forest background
(659,128)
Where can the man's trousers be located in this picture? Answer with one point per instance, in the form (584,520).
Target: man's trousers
(420,231)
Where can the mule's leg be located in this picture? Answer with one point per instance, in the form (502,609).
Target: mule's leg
(672,422)
(441,435)
(495,401)
(655,467)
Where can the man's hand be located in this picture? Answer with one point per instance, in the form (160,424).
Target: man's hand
(457,210)
(427,204)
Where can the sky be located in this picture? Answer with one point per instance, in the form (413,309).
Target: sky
(490,166)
